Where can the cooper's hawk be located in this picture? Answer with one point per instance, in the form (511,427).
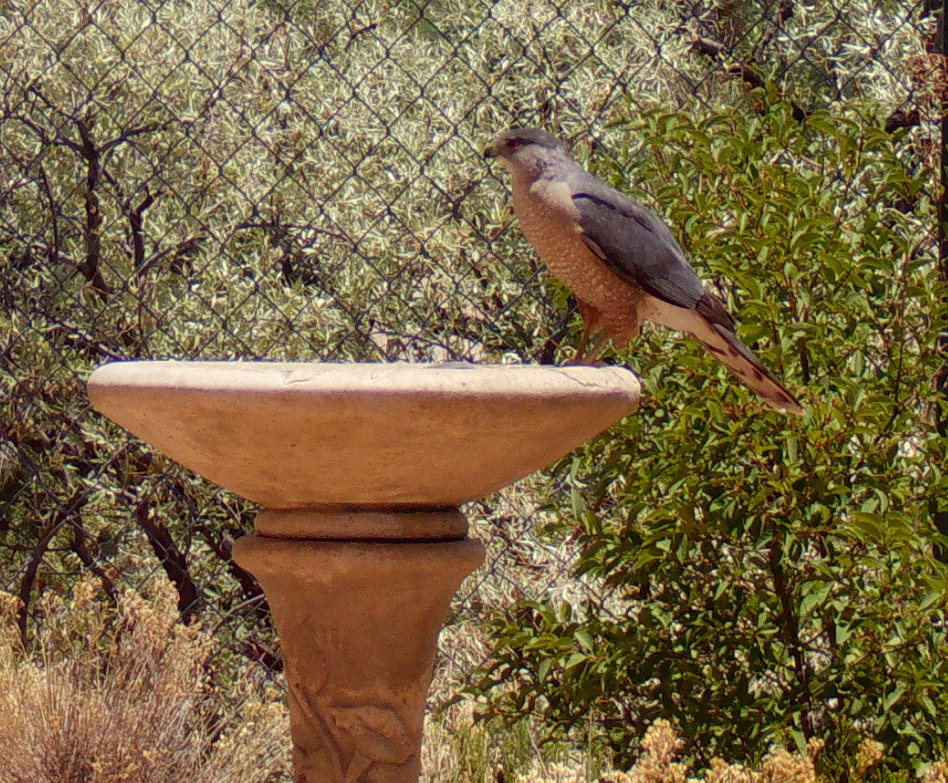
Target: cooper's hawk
(619,259)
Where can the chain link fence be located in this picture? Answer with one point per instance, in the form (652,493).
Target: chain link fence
(268,179)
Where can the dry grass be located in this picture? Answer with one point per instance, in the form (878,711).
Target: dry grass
(111,695)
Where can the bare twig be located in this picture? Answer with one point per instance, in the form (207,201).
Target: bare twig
(82,552)
(136,226)
(790,625)
(716,50)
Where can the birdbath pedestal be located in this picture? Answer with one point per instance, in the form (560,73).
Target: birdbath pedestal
(360,469)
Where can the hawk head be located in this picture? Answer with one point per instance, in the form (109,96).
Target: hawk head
(526,149)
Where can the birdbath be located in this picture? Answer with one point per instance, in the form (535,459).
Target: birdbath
(360,469)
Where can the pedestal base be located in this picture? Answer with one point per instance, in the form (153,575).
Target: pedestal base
(358,625)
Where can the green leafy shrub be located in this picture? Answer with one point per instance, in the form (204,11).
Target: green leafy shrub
(764,578)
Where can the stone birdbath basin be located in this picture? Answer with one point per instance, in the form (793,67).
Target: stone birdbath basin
(360,469)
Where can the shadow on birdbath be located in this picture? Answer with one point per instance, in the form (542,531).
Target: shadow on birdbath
(361,469)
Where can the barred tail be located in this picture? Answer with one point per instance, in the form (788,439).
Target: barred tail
(739,359)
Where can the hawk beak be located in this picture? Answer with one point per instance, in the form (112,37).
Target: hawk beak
(489,153)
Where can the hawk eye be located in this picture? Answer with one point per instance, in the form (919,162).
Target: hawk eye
(513,144)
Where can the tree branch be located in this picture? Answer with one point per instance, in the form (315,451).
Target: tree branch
(39,552)
(90,267)
(172,559)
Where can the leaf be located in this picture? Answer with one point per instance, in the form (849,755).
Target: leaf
(931,598)
(574,660)
(843,632)
(892,697)
(867,523)
(585,640)
(815,598)
(544,668)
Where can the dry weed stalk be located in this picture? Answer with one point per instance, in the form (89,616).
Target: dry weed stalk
(867,756)
(122,695)
(937,772)
(658,764)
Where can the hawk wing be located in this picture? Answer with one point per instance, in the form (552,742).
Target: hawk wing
(640,249)
(636,245)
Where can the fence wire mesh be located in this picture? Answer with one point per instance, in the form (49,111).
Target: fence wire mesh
(267,179)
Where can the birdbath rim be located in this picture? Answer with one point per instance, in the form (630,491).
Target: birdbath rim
(293,435)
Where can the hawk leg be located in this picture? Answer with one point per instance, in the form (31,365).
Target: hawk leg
(591,317)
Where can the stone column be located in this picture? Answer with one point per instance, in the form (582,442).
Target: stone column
(358,624)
